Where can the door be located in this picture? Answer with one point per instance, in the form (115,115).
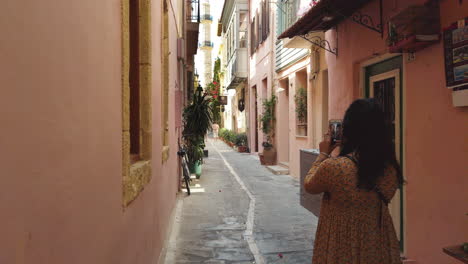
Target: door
(283,121)
(385,88)
(255,114)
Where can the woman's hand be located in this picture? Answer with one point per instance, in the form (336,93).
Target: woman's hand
(327,146)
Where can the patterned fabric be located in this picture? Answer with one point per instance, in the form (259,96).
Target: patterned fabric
(355,226)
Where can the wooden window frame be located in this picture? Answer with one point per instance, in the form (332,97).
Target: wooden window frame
(165,82)
(136,174)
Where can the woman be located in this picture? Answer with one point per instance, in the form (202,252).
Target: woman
(355,225)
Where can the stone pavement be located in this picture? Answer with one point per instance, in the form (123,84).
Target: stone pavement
(234,200)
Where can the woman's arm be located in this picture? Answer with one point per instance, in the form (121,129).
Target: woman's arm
(317,179)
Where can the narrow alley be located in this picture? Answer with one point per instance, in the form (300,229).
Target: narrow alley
(234,198)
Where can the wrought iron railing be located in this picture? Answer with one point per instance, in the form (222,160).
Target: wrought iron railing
(207,17)
(206,44)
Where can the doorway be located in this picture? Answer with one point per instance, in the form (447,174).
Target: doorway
(384,83)
(255,114)
(283,121)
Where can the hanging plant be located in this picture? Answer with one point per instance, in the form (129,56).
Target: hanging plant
(301,104)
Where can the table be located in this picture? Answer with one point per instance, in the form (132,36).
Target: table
(456,252)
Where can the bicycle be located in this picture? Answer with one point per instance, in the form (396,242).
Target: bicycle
(185,170)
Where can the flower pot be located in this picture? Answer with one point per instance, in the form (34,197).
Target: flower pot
(242,149)
(269,155)
(262,158)
(191,167)
(198,169)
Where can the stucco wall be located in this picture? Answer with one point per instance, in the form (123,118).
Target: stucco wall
(260,68)
(435,132)
(61,200)
(292,139)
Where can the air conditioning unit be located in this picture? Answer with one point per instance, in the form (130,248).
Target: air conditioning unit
(180,49)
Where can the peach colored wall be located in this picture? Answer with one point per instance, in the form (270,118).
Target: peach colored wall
(260,68)
(282,122)
(61,139)
(291,141)
(435,132)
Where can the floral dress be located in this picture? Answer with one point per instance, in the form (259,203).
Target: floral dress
(355,226)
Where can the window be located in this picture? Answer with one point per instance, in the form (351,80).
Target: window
(301,103)
(260,27)
(265,14)
(243,30)
(165,82)
(253,38)
(136,98)
(287,14)
(134,79)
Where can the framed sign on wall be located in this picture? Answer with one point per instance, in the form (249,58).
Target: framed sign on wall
(456,60)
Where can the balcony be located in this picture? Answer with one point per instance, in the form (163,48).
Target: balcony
(236,71)
(207,17)
(206,44)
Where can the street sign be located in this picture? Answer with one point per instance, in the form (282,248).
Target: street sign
(223,100)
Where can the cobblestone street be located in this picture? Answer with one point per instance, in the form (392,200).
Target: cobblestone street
(239,212)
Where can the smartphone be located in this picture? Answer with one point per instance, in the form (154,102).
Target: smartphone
(336,131)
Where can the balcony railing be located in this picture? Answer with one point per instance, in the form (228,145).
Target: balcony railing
(207,17)
(206,44)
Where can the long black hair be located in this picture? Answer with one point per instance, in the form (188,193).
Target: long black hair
(368,133)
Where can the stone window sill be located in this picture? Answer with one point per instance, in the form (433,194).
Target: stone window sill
(139,176)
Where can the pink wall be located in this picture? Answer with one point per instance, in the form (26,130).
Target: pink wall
(260,68)
(436,148)
(297,75)
(62,178)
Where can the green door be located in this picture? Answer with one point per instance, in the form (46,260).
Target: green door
(384,83)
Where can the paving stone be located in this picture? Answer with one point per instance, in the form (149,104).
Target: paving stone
(214,222)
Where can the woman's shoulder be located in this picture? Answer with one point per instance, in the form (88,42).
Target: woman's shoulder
(338,163)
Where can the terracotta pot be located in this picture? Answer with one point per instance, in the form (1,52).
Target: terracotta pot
(262,158)
(242,148)
(269,155)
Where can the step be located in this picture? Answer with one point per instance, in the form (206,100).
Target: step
(284,164)
(278,170)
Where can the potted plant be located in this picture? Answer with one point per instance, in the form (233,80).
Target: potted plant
(300,100)
(241,142)
(197,121)
(268,157)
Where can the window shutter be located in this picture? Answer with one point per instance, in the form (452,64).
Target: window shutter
(263,20)
(260,24)
(253,41)
(267,7)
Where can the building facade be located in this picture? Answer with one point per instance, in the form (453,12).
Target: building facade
(261,69)
(233,29)
(301,89)
(97,180)
(429,211)
(206,44)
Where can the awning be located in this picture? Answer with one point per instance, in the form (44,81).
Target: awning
(323,16)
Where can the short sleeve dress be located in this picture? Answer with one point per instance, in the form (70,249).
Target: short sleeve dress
(355,226)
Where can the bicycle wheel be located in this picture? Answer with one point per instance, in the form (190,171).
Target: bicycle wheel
(187,185)
(186,173)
